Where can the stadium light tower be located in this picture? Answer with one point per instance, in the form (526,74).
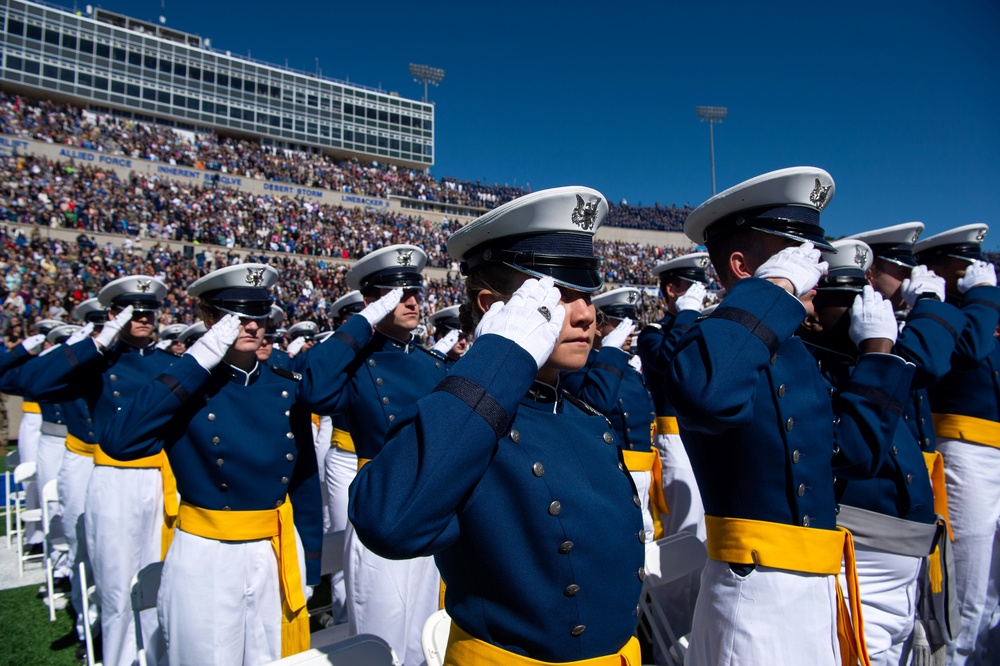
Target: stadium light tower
(711,115)
(426,74)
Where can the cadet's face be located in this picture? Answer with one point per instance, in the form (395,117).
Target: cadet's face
(139,329)
(886,278)
(250,336)
(576,337)
(405,318)
(265,349)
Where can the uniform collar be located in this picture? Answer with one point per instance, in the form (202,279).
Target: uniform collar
(394,344)
(127,347)
(238,376)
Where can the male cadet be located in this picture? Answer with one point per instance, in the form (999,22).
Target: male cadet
(613,387)
(682,285)
(192,334)
(130,506)
(301,337)
(966,410)
(451,343)
(892,516)
(269,351)
(765,437)
(390,372)
(169,339)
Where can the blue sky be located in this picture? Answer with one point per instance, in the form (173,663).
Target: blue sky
(897,100)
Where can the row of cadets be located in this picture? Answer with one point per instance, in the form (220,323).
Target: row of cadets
(238,500)
(765,437)
(966,412)
(388,372)
(341,464)
(516,487)
(131,505)
(611,385)
(892,516)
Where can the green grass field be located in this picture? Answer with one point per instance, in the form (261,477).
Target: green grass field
(28,636)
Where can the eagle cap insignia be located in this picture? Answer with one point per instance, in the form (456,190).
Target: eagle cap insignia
(633,297)
(819,195)
(404,257)
(703,262)
(860,256)
(981,236)
(585,213)
(143,285)
(255,277)
(916,235)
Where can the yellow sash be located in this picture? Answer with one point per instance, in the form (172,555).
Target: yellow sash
(649,461)
(30,407)
(362,462)
(315,419)
(935,468)
(342,440)
(667,425)
(158,461)
(968,428)
(804,549)
(463,650)
(80,447)
(273,524)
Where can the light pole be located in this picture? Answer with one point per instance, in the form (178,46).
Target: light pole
(712,115)
(426,74)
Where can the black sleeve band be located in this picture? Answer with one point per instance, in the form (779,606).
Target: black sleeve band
(71,356)
(607,368)
(344,337)
(981,301)
(752,324)
(479,400)
(939,320)
(174,386)
(877,396)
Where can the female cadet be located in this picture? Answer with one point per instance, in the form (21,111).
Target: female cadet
(517,488)
(238,433)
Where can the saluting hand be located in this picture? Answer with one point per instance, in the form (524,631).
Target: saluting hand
(444,345)
(210,348)
(693,298)
(872,318)
(922,280)
(113,327)
(378,310)
(620,335)
(532,318)
(295,346)
(800,265)
(978,274)
(81,333)
(33,342)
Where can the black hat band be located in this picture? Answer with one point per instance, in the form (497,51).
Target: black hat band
(619,311)
(794,222)
(391,278)
(897,253)
(968,251)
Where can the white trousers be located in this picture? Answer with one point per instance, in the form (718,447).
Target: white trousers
(888,586)
(341,468)
(390,598)
(972,476)
(321,444)
(28,435)
(123,517)
(73,480)
(770,616)
(687,513)
(50,458)
(220,601)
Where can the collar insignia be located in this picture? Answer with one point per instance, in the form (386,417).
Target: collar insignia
(585,214)
(255,277)
(819,195)
(143,285)
(404,257)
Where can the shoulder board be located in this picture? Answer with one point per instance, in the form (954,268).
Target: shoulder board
(651,327)
(282,371)
(437,358)
(580,404)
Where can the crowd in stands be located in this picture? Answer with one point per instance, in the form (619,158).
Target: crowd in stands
(68,125)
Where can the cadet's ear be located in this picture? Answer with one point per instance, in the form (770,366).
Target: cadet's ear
(484,299)
(811,323)
(739,266)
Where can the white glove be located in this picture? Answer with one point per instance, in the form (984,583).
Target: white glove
(33,342)
(617,337)
(112,328)
(81,333)
(295,346)
(163,344)
(922,280)
(693,298)
(378,310)
(444,345)
(872,317)
(636,363)
(979,273)
(799,265)
(211,347)
(523,320)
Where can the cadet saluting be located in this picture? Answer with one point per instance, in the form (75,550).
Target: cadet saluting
(517,488)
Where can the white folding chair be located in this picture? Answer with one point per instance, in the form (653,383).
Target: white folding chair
(434,637)
(360,650)
(88,633)
(25,472)
(12,493)
(667,560)
(53,545)
(145,587)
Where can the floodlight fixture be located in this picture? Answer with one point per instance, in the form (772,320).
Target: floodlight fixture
(427,75)
(711,115)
